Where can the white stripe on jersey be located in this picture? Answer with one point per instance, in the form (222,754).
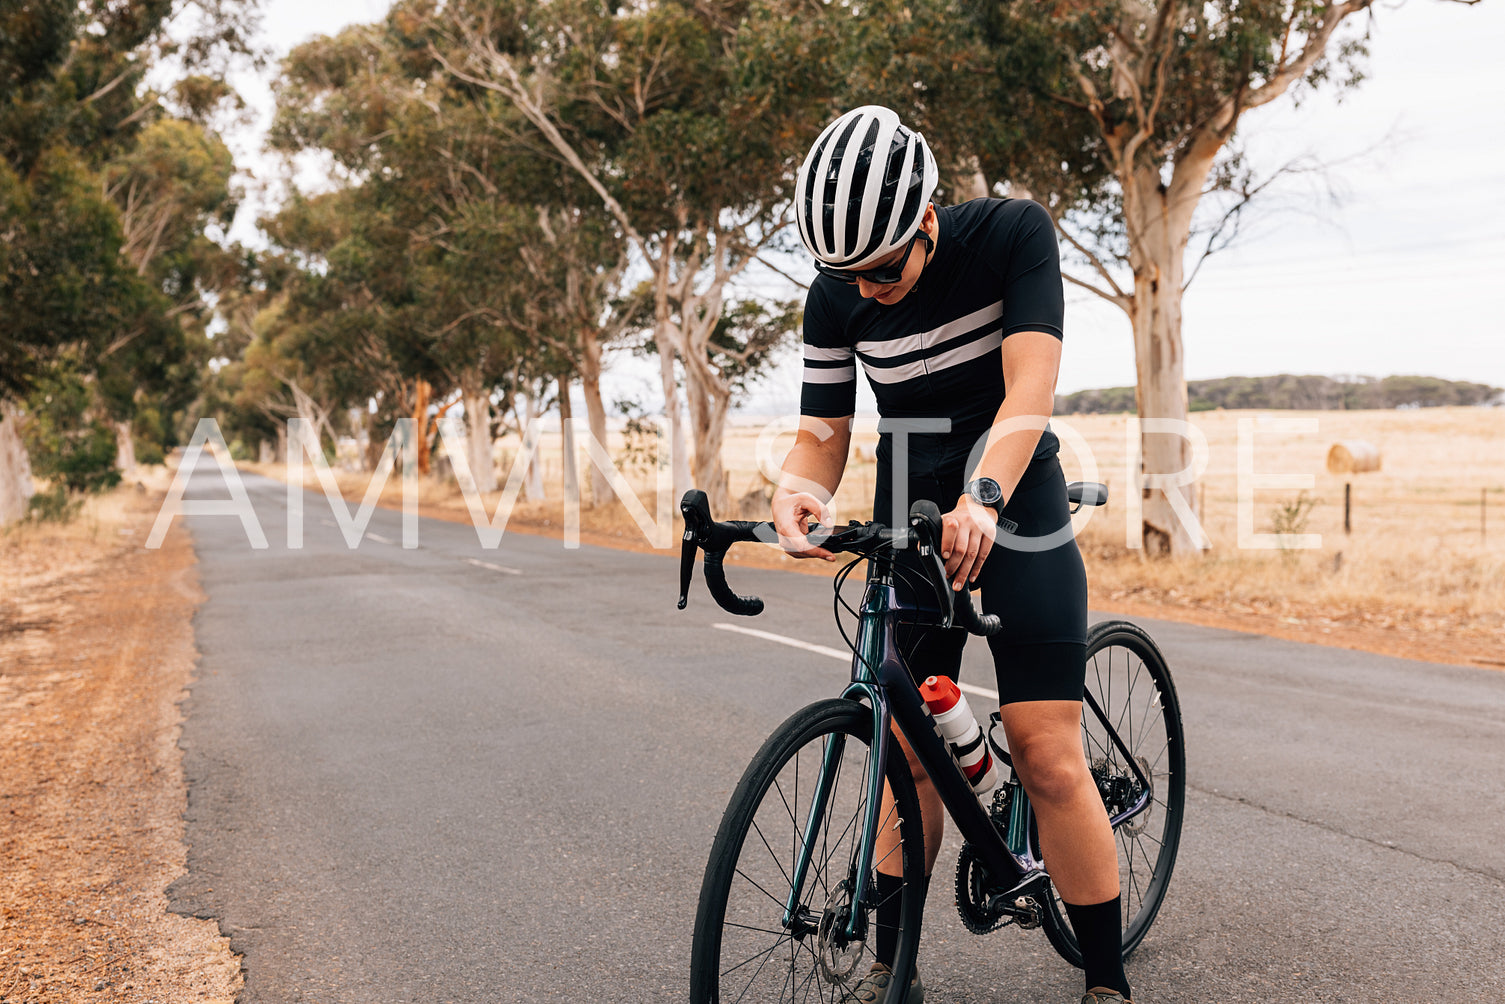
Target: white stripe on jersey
(828,355)
(918,368)
(924,339)
(846,374)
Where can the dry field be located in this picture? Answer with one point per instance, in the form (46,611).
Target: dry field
(96,647)
(1420,574)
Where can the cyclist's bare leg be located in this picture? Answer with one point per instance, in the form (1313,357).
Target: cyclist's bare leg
(1045,742)
(932,812)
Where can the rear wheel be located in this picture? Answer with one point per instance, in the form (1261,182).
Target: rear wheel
(743,950)
(1127,676)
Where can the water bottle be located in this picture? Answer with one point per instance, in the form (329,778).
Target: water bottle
(955,723)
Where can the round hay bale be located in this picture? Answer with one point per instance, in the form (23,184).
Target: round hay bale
(1353,456)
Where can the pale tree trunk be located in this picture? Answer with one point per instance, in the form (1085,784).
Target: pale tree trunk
(360,426)
(967,182)
(501,74)
(16,488)
(1157,216)
(707,392)
(663,339)
(309,411)
(709,401)
(478,441)
(533,477)
(569,472)
(1159,225)
(590,380)
(125,448)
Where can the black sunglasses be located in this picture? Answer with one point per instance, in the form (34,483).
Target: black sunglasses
(886,275)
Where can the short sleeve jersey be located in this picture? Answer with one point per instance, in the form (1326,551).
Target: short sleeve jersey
(937,353)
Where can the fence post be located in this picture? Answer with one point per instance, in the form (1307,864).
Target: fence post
(1347,507)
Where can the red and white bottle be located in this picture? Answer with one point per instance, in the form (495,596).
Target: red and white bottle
(956,724)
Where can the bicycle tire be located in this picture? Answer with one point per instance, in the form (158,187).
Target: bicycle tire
(1149,722)
(739,918)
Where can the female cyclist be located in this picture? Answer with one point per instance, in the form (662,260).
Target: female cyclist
(955,314)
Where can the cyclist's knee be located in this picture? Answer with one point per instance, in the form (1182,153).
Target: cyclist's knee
(1052,772)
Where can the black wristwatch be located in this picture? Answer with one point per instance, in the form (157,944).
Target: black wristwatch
(986,491)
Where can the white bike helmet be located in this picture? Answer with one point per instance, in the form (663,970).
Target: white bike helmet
(863,188)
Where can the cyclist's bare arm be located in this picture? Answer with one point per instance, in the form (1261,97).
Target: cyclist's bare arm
(808,481)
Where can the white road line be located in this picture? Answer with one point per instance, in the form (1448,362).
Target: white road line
(495,568)
(379,538)
(833,653)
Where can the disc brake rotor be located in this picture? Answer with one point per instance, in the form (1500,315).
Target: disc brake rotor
(839,957)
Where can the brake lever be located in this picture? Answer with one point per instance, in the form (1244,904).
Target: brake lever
(697,512)
(925,518)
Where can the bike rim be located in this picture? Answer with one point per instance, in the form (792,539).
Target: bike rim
(759,960)
(1138,700)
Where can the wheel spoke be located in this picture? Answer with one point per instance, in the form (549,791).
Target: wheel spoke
(759,831)
(756,955)
(755,885)
(741,953)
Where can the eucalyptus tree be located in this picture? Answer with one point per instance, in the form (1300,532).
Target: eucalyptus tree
(73,99)
(646,105)
(171,187)
(482,269)
(1123,117)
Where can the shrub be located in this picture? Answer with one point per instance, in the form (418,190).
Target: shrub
(68,444)
(54,505)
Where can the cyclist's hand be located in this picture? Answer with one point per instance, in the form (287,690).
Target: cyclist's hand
(967,534)
(791,513)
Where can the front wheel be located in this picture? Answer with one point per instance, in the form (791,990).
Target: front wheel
(1127,676)
(744,950)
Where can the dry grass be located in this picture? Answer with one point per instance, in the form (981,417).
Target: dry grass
(1415,577)
(96,646)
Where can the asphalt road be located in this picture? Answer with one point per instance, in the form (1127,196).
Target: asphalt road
(449,774)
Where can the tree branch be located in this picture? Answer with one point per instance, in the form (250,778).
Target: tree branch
(517,93)
(1124,303)
(1095,262)
(774,268)
(1311,51)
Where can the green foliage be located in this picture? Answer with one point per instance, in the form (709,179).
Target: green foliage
(150,436)
(62,278)
(68,444)
(104,205)
(54,504)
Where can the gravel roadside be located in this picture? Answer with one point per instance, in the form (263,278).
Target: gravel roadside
(96,650)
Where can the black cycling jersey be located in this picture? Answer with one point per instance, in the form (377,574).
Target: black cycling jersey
(937,353)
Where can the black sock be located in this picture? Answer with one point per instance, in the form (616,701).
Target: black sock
(888,919)
(1097,931)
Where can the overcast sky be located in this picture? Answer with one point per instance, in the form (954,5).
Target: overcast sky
(1403,271)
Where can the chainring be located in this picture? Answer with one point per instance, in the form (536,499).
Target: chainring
(972,895)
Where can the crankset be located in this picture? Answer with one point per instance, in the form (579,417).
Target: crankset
(985,906)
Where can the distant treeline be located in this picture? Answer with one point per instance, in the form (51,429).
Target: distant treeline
(1299,392)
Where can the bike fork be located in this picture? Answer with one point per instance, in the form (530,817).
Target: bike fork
(830,764)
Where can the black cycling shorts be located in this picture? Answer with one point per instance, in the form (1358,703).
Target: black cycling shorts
(1037,586)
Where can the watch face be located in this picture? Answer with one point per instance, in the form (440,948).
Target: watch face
(986,491)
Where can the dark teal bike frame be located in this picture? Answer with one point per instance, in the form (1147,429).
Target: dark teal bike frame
(882,681)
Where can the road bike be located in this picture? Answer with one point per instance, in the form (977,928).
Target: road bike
(788,905)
